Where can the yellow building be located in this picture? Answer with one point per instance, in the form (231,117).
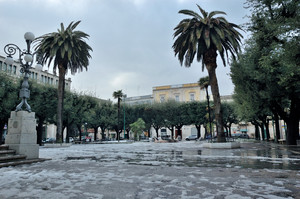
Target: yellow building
(180,93)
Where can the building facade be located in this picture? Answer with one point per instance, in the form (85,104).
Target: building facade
(179,93)
(41,77)
(145,99)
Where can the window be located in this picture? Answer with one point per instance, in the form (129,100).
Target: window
(192,97)
(9,69)
(4,67)
(162,98)
(14,70)
(177,98)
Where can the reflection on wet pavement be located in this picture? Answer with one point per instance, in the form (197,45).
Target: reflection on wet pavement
(250,155)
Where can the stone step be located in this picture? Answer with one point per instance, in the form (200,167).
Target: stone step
(16,163)
(7,152)
(12,158)
(3,147)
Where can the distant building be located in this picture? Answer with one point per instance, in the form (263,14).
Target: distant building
(145,99)
(42,77)
(179,93)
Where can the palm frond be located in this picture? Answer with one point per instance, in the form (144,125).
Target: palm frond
(190,13)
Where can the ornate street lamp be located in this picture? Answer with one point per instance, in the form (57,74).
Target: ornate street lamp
(26,58)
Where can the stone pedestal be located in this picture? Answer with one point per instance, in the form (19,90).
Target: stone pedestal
(22,135)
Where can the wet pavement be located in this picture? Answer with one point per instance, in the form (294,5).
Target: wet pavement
(158,170)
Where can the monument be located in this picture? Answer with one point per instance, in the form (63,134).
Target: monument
(22,136)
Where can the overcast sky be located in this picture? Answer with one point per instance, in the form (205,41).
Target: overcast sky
(131,39)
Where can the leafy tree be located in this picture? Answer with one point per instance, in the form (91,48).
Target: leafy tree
(147,115)
(196,112)
(102,116)
(204,36)
(181,117)
(137,128)
(8,100)
(131,115)
(68,51)
(77,110)
(169,112)
(44,100)
(249,84)
(273,52)
(229,116)
(157,119)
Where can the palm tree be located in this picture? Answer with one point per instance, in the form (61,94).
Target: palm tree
(68,51)
(204,36)
(204,83)
(118,95)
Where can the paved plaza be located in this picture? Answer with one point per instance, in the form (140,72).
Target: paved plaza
(157,170)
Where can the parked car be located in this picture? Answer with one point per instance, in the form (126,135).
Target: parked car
(50,140)
(241,135)
(191,137)
(244,136)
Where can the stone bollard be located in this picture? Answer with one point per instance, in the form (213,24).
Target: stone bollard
(21,135)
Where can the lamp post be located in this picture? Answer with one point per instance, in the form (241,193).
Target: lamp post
(85,130)
(26,60)
(124,97)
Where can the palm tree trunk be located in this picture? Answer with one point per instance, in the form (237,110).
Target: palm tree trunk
(60,104)
(217,102)
(118,134)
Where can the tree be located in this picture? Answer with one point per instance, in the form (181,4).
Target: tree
(157,113)
(44,101)
(102,116)
(118,95)
(204,36)
(196,112)
(270,65)
(169,113)
(137,128)
(77,111)
(204,83)
(8,100)
(229,116)
(68,51)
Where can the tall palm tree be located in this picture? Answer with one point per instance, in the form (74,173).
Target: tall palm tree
(204,83)
(118,95)
(67,50)
(205,36)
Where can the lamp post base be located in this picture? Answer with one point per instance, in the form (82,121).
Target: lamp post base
(22,135)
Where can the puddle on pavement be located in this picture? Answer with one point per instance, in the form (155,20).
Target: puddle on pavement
(272,158)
